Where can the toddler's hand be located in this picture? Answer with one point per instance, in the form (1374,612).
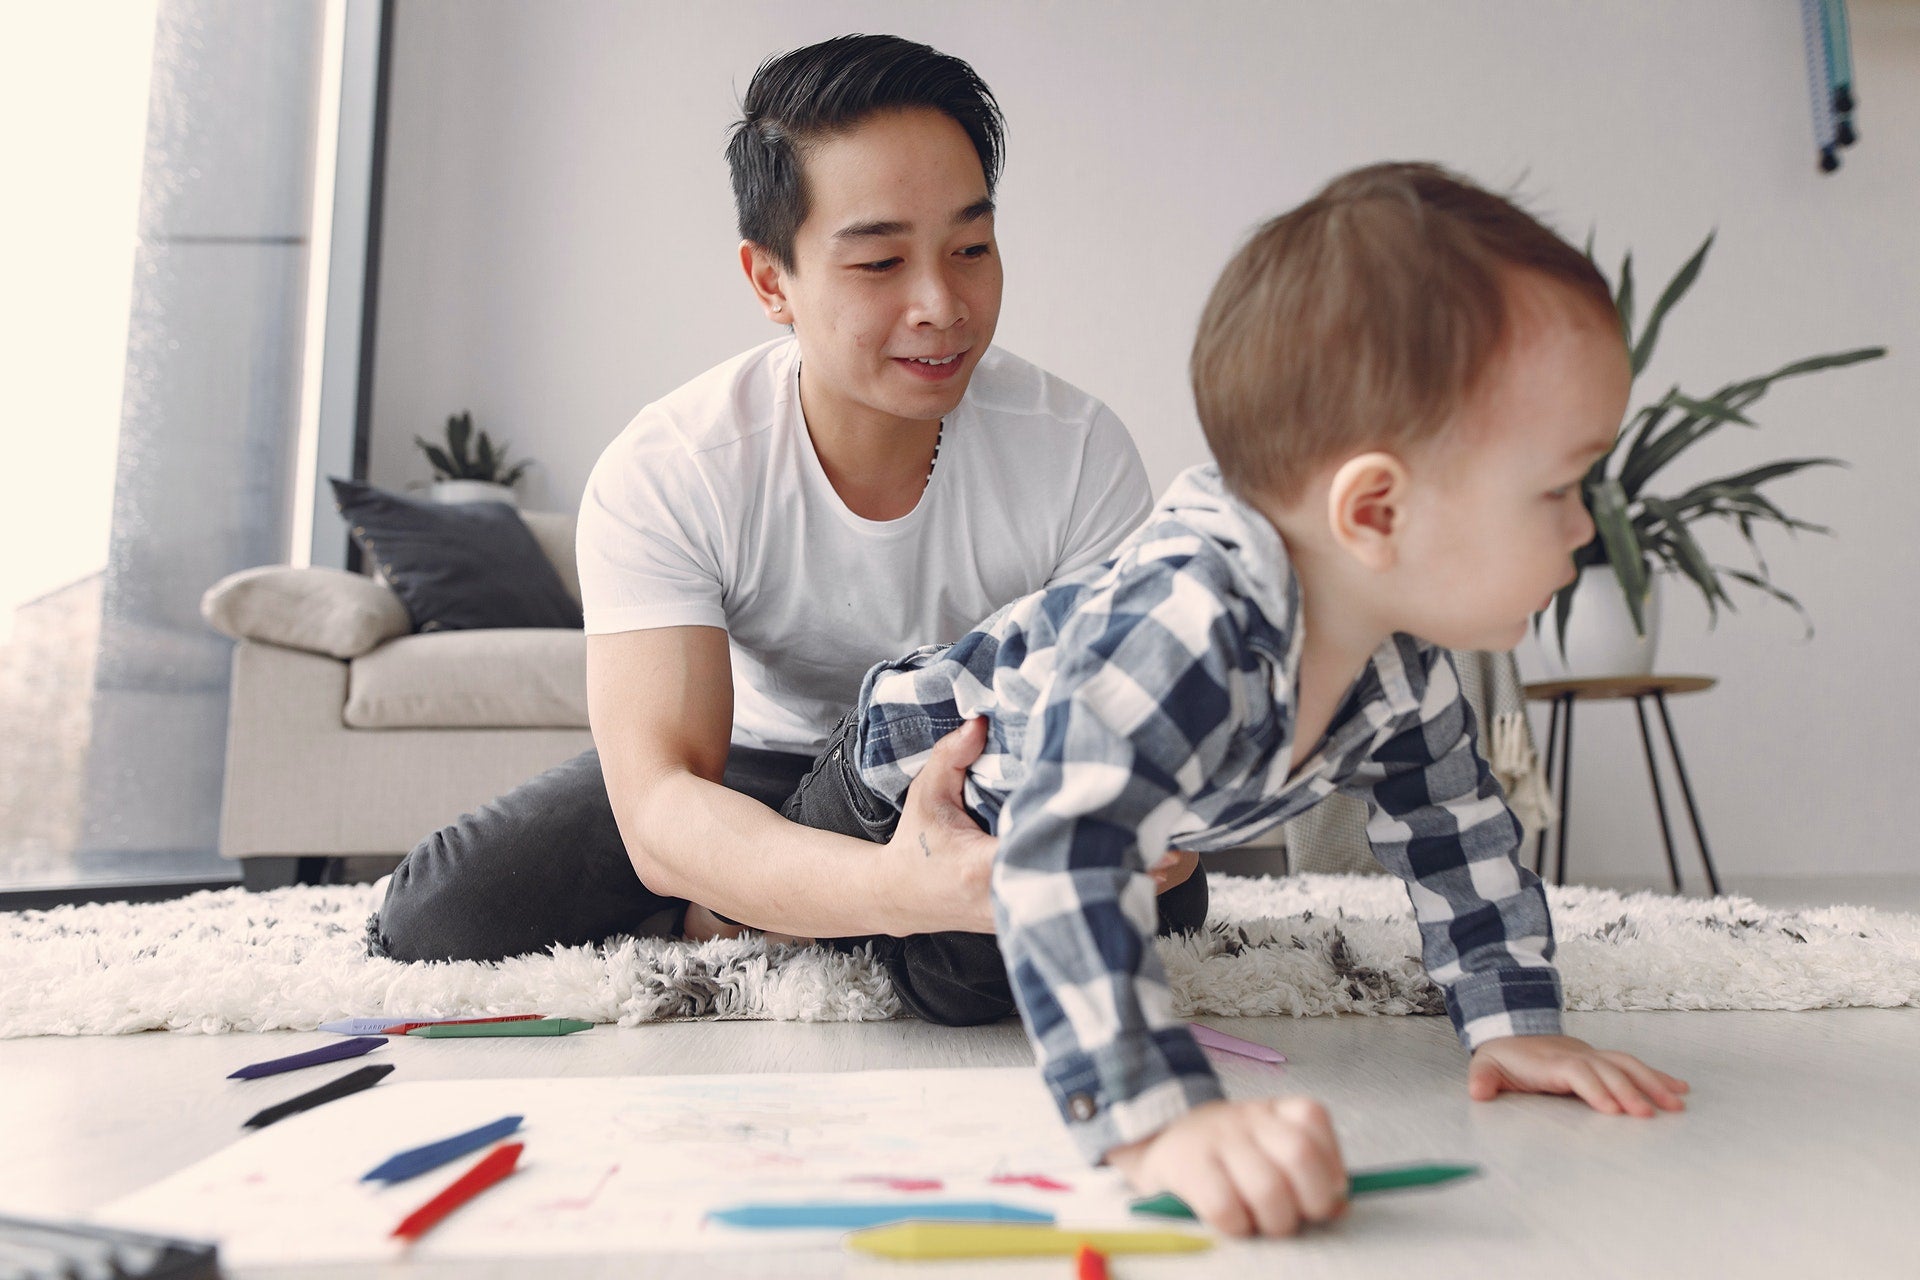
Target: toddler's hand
(1610,1082)
(1268,1166)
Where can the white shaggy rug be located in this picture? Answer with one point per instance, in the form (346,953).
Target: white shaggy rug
(1308,944)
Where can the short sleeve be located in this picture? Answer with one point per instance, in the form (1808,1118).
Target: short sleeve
(1111,499)
(650,537)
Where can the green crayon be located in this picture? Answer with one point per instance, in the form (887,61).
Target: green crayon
(1168,1205)
(467,1030)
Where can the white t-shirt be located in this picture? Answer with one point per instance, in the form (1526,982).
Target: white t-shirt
(711,509)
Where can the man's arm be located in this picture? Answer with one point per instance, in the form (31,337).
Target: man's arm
(661,705)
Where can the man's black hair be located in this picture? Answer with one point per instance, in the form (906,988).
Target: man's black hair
(803,96)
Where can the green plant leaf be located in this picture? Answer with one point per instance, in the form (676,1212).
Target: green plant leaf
(1623,300)
(1615,527)
(1651,530)
(1745,523)
(437,458)
(1739,487)
(459,431)
(1690,559)
(1738,395)
(1703,417)
(1762,584)
(486,464)
(1648,419)
(1676,289)
(1713,409)
(1754,506)
(1643,463)
(1562,610)
(1813,364)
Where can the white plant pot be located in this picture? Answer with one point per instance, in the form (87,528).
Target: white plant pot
(1600,637)
(472,491)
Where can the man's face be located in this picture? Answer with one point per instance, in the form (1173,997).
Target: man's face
(895,290)
(1502,515)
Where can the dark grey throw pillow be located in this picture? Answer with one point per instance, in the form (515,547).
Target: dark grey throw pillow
(457,566)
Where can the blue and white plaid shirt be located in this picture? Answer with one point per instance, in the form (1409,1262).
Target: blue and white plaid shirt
(1147,704)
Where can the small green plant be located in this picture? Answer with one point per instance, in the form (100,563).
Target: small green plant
(1635,531)
(486,463)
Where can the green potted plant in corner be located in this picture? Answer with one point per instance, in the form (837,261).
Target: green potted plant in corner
(1607,622)
(469,467)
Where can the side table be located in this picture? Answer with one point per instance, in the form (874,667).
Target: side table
(1563,694)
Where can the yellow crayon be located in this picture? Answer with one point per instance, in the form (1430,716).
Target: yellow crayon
(1012,1240)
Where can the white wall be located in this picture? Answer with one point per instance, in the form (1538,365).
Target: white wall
(559,250)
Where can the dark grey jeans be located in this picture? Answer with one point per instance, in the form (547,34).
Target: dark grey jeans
(954,979)
(542,865)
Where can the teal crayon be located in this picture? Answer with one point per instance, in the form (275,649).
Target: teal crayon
(1168,1205)
(471,1030)
(1411,1175)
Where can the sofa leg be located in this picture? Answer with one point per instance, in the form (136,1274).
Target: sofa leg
(259,874)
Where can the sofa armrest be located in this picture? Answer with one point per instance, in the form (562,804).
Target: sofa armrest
(327,611)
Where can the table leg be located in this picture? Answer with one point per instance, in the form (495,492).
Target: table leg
(1686,789)
(1566,791)
(1659,798)
(1553,742)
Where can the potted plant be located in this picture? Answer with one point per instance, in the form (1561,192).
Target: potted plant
(480,476)
(1607,622)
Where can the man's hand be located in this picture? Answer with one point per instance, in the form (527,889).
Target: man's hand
(1265,1167)
(941,860)
(1610,1082)
(1173,869)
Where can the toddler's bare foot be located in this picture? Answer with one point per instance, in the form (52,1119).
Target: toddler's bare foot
(702,925)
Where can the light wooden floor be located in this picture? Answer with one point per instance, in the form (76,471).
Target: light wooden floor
(1799,1155)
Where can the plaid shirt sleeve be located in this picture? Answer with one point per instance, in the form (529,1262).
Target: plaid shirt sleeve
(1130,725)
(1438,819)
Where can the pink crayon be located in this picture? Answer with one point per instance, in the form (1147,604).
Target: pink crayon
(1211,1039)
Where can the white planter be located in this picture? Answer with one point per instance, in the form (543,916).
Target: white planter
(1600,636)
(472,491)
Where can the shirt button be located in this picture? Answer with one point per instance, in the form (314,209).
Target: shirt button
(1082,1106)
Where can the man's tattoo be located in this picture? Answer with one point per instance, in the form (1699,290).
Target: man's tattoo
(923,845)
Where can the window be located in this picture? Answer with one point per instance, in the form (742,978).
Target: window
(154,258)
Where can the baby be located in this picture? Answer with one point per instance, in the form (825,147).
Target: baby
(1402,383)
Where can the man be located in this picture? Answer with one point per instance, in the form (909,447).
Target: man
(751,543)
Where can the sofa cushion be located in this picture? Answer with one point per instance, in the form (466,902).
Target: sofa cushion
(500,678)
(460,566)
(554,531)
(320,610)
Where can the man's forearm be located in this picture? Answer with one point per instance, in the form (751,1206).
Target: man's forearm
(694,839)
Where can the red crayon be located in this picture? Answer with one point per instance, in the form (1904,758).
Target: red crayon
(401,1028)
(491,1168)
(1089,1264)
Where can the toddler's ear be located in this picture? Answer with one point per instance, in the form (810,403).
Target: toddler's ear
(1366,508)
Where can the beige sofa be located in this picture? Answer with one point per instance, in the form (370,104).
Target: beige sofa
(348,737)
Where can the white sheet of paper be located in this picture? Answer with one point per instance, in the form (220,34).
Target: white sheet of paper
(625,1165)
